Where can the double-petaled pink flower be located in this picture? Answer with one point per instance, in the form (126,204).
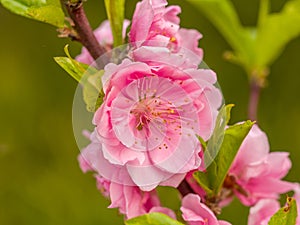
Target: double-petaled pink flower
(147,125)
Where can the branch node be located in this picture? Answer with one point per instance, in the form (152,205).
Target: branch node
(84,32)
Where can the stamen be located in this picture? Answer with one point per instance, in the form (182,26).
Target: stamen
(172,39)
(149,109)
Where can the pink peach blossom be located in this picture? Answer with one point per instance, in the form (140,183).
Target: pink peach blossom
(146,128)
(105,38)
(129,199)
(261,213)
(257,171)
(152,20)
(103,185)
(196,213)
(155,25)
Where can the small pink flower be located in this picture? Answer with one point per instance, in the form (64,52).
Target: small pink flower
(103,185)
(133,202)
(196,213)
(129,199)
(146,128)
(105,38)
(261,213)
(156,25)
(257,171)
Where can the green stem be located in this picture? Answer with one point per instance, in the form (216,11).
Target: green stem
(263,11)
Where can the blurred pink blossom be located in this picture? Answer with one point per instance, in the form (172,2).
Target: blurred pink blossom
(257,171)
(196,213)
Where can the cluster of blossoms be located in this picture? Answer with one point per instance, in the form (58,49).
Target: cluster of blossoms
(255,179)
(156,103)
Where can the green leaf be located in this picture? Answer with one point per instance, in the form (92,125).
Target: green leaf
(47,11)
(255,49)
(275,31)
(92,91)
(223,16)
(212,180)
(234,136)
(76,69)
(228,109)
(153,219)
(212,148)
(203,143)
(88,76)
(287,215)
(71,68)
(205,183)
(214,144)
(115,12)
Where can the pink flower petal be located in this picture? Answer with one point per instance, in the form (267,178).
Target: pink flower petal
(141,21)
(195,212)
(262,212)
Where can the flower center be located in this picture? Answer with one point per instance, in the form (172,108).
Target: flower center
(153,109)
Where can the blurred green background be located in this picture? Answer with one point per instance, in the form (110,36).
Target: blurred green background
(40,181)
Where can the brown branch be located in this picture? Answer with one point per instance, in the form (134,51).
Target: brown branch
(184,188)
(84,30)
(257,83)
